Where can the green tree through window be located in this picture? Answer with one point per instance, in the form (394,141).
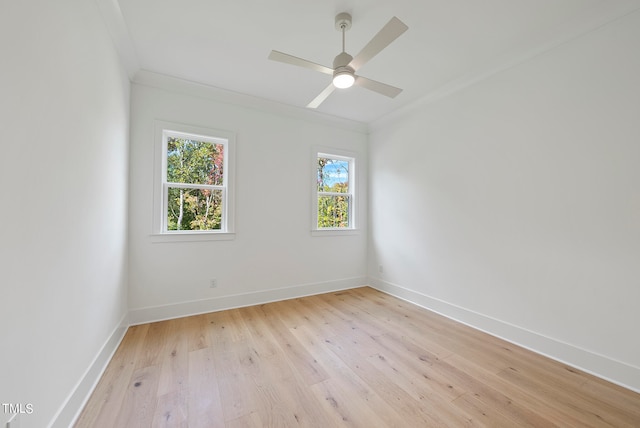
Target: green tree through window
(194,184)
(335,196)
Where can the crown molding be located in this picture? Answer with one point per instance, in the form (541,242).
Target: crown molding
(590,20)
(195,89)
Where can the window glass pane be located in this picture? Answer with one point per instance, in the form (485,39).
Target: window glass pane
(196,162)
(194,209)
(333,211)
(333,175)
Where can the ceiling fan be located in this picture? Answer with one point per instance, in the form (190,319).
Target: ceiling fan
(345,66)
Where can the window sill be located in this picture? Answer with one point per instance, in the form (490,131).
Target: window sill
(335,232)
(192,237)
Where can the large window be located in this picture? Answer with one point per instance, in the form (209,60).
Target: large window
(334,205)
(194,192)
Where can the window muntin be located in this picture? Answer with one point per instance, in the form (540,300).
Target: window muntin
(335,192)
(194,183)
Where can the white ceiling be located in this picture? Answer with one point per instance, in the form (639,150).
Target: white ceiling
(225,43)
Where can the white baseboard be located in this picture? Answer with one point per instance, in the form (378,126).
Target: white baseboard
(195,307)
(74,404)
(614,371)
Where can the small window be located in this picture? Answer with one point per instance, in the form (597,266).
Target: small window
(195,194)
(335,192)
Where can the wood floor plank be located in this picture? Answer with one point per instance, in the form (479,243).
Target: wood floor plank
(613,395)
(251,420)
(198,332)
(260,336)
(559,377)
(384,386)
(410,380)
(174,359)
(593,412)
(237,395)
(225,328)
(555,417)
(304,363)
(140,400)
(282,396)
(353,358)
(204,406)
(426,370)
(344,409)
(483,415)
(155,340)
(453,337)
(106,401)
(171,411)
(348,380)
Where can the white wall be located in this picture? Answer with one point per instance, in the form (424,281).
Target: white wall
(64,103)
(514,204)
(273,255)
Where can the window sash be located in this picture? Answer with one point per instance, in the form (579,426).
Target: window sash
(163,132)
(335,194)
(165,213)
(350,210)
(194,186)
(349,193)
(224,225)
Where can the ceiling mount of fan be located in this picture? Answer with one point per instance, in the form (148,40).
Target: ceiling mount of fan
(343,21)
(345,66)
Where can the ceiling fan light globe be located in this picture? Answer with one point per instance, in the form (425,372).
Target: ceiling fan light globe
(343,80)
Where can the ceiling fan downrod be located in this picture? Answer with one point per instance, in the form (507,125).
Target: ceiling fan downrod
(343,75)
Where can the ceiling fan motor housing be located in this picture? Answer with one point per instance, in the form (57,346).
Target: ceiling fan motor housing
(342,60)
(343,75)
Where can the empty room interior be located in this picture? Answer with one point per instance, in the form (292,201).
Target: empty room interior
(320,213)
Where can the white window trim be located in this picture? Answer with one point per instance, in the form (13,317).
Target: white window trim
(215,136)
(352,157)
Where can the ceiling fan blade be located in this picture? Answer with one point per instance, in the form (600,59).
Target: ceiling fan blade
(391,31)
(381,88)
(323,96)
(294,60)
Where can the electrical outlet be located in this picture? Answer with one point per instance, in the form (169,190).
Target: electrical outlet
(380,269)
(213,283)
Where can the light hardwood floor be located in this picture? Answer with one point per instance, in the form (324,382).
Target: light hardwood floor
(350,358)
